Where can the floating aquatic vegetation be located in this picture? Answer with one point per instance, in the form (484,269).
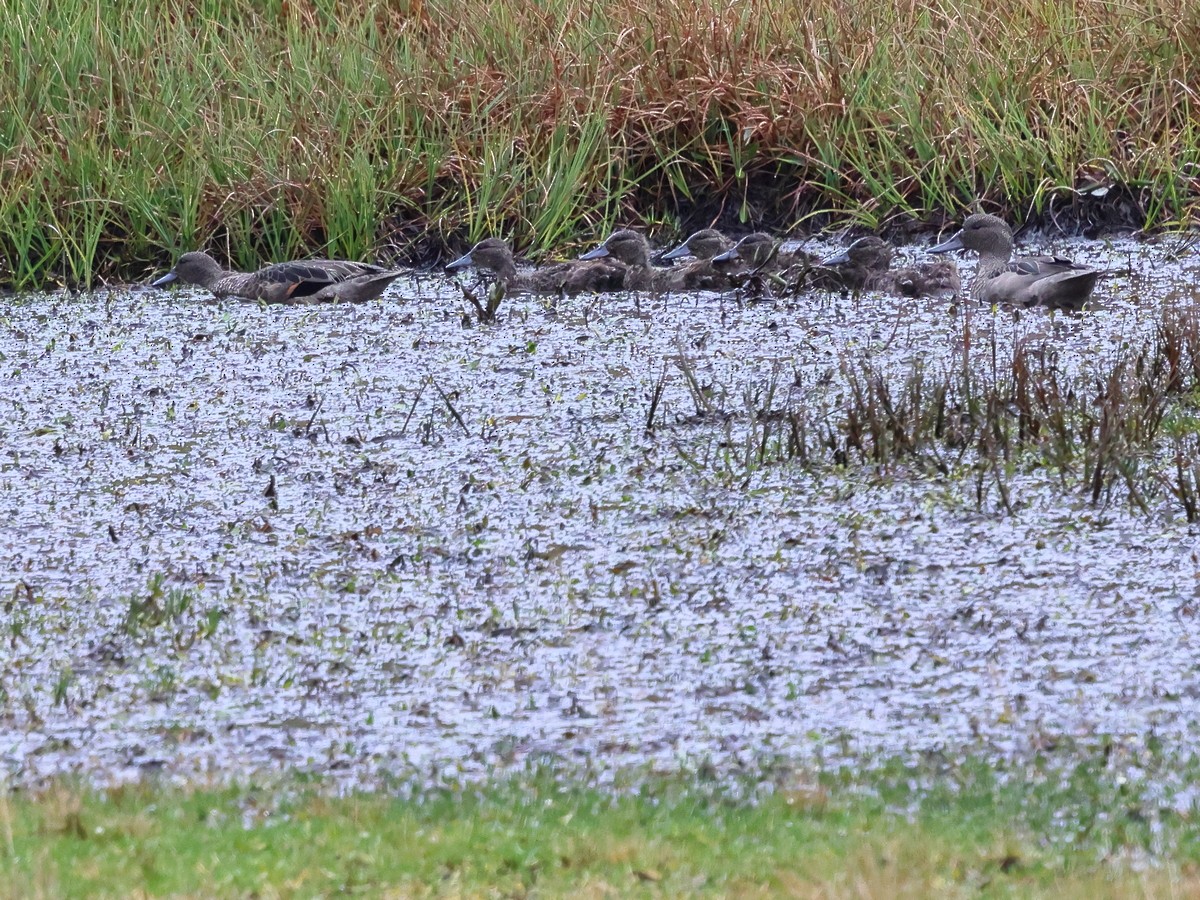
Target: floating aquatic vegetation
(368,541)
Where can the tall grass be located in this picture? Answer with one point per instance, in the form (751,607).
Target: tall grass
(266,129)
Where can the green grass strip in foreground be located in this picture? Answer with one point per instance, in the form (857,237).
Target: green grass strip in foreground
(962,831)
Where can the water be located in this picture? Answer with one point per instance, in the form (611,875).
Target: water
(369,541)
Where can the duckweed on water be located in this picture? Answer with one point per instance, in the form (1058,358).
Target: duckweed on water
(373,542)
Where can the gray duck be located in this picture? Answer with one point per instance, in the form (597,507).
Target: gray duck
(631,248)
(699,272)
(494,256)
(311,281)
(758,255)
(1026,281)
(866,266)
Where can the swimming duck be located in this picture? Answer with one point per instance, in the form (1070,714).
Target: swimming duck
(866,265)
(864,261)
(1028,280)
(752,264)
(313,280)
(757,262)
(754,251)
(935,278)
(761,251)
(700,273)
(703,244)
(494,256)
(630,248)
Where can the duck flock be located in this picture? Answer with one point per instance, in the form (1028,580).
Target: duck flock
(707,260)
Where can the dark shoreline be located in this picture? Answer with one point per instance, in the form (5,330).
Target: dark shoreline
(1118,210)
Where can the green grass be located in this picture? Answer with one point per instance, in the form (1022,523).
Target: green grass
(964,829)
(265,129)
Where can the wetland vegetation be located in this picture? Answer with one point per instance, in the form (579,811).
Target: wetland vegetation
(936,828)
(817,593)
(335,538)
(274,130)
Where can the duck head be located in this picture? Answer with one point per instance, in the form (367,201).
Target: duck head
(983,233)
(754,249)
(193,268)
(704,244)
(870,254)
(491,255)
(626,246)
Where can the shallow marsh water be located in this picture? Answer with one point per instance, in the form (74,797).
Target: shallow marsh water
(372,541)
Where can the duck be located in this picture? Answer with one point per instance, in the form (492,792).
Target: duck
(752,264)
(703,244)
(311,281)
(761,251)
(864,261)
(494,256)
(934,278)
(1049,281)
(757,262)
(631,248)
(700,273)
(754,251)
(866,266)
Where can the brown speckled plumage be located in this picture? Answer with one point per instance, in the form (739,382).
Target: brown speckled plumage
(494,256)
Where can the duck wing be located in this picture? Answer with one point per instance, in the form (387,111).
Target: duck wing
(305,278)
(359,289)
(1063,290)
(1060,287)
(1044,266)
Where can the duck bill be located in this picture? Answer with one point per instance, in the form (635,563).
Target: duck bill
(599,253)
(839,259)
(165,280)
(955,243)
(678,253)
(461,263)
(727,257)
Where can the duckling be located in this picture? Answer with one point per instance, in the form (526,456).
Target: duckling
(631,248)
(863,262)
(1028,280)
(703,244)
(494,256)
(757,262)
(313,280)
(924,279)
(699,273)
(760,250)
(865,266)
(754,251)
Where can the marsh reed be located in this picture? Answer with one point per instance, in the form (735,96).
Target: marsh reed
(1124,430)
(265,130)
